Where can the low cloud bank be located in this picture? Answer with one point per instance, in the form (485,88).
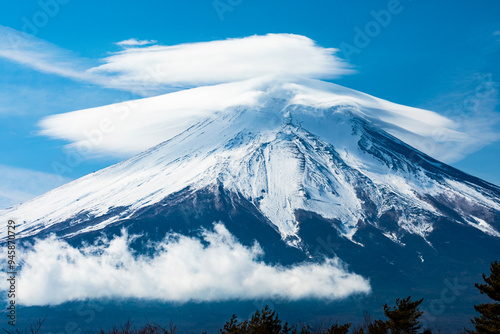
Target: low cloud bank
(213,267)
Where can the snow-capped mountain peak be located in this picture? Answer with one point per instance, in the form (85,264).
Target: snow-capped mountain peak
(282,147)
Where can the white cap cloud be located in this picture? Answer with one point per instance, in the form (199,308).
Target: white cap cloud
(128,128)
(147,69)
(214,267)
(205,63)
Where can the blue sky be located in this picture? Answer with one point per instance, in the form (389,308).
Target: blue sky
(439,56)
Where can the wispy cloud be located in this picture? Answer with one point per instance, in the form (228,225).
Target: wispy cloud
(213,267)
(135,42)
(18,185)
(41,55)
(473,112)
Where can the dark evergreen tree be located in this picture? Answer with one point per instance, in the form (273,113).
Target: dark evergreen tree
(264,322)
(378,327)
(403,319)
(267,322)
(489,319)
(338,329)
(232,326)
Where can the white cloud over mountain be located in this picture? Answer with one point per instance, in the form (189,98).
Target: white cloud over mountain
(149,69)
(127,128)
(206,63)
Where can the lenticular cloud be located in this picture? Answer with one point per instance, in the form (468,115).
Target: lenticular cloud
(213,267)
(206,63)
(147,68)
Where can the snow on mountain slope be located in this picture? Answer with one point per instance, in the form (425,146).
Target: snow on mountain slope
(311,145)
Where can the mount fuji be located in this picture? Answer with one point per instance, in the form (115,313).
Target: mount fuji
(309,170)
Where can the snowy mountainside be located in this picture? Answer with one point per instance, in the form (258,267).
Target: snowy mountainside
(311,146)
